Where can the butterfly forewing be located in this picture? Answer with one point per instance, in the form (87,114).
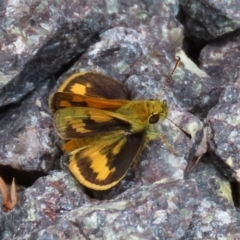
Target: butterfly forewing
(95,85)
(61,100)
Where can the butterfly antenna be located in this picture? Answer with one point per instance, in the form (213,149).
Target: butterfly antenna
(169,78)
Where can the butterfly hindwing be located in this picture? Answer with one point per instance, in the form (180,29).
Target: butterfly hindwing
(103,162)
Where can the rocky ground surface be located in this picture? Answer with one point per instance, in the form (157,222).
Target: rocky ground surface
(137,43)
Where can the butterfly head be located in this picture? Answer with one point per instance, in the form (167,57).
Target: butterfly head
(159,111)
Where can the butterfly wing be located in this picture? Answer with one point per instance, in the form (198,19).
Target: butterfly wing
(82,122)
(61,100)
(101,163)
(95,85)
(89,89)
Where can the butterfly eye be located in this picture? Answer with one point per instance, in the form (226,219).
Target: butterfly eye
(154,118)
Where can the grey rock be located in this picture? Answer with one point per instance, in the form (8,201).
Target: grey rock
(209,19)
(159,211)
(224,129)
(139,48)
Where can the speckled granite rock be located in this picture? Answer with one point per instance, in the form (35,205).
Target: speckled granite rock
(209,19)
(220,59)
(29,143)
(46,201)
(216,216)
(224,122)
(137,46)
(159,211)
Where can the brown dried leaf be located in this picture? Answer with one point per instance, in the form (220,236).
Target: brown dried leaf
(9,198)
(202,149)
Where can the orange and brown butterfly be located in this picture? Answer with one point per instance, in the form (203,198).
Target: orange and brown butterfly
(103,131)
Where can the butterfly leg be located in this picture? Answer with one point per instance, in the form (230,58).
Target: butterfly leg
(167,144)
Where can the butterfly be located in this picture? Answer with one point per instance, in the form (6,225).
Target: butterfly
(104,131)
